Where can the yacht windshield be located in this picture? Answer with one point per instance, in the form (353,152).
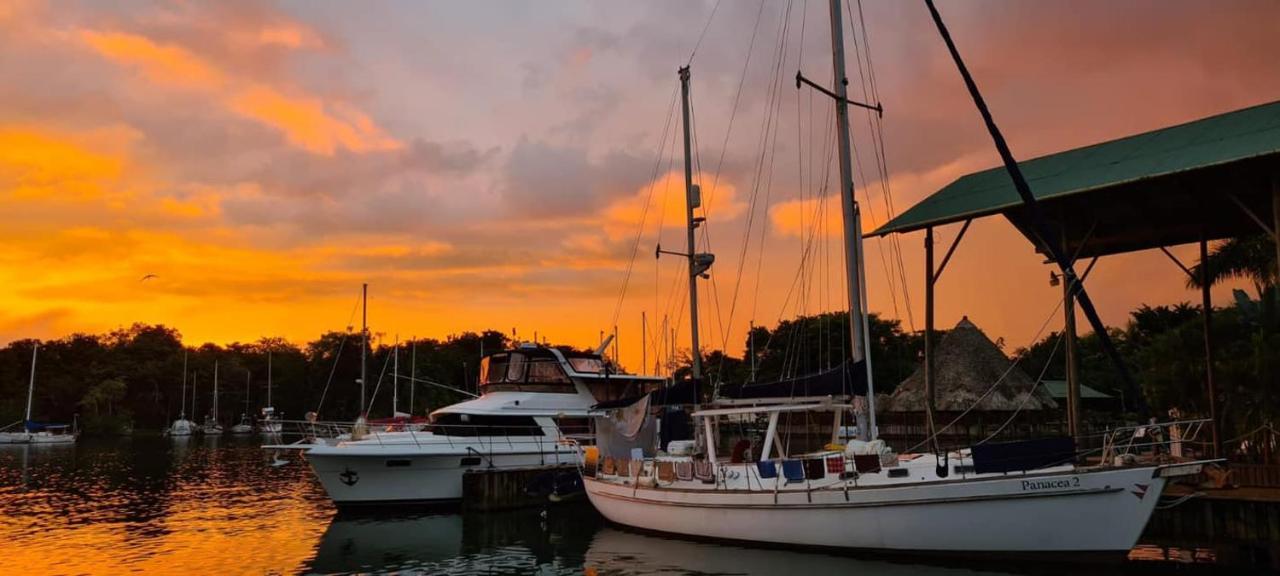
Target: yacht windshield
(515,371)
(587,365)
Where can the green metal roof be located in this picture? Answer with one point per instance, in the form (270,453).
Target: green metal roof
(1150,162)
(1058,389)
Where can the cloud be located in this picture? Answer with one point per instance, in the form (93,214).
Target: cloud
(544,179)
(308,122)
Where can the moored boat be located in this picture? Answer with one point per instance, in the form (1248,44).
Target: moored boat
(766,464)
(30,432)
(532,400)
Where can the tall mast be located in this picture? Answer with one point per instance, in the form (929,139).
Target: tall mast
(215,391)
(183,407)
(850,212)
(31,386)
(395,380)
(698,263)
(413,369)
(364,340)
(268,377)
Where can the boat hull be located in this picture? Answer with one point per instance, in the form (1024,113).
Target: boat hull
(387,478)
(1096,512)
(36,438)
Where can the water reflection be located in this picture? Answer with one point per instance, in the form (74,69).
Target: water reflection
(220,506)
(624,553)
(372,543)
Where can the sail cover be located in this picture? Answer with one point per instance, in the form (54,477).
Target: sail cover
(847,379)
(624,430)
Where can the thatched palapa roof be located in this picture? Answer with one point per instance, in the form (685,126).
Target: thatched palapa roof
(966,364)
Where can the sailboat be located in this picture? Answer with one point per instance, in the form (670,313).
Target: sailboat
(32,432)
(182,426)
(1025,497)
(244,427)
(270,422)
(211,425)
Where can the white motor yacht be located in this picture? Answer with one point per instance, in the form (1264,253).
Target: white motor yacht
(532,399)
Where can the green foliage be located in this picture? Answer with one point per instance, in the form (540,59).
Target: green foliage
(134,376)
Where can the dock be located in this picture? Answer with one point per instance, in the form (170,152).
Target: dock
(505,489)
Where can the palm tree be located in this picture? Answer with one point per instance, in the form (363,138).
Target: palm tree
(1251,258)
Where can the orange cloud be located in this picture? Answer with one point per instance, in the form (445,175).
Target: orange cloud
(907,188)
(161,64)
(667,204)
(39,165)
(308,122)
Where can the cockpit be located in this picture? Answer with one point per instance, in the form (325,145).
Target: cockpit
(524,371)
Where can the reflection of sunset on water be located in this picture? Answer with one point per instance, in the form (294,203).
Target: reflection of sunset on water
(221,512)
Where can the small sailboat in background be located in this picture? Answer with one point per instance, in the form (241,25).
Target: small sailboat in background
(36,432)
(270,423)
(182,426)
(244,427)
(211,425)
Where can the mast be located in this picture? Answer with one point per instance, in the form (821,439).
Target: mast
(268,378)
(364,340)
(193,395)
(395,379)
(698,263)
(850,212)
(31,385)
(248,376)
(413,370)
(182,408)
(215,391)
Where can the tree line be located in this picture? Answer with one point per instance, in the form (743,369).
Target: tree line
(133,377)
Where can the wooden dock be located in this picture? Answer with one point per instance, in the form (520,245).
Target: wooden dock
(498,489)
(1245,518)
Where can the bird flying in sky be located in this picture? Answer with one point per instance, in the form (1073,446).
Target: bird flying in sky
(148,277)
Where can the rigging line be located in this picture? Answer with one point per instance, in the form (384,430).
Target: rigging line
(635,246)
(875,125)
(381,375)
(706,236)
(792,290)
(341,344)
(1031,392)
(733,112)
(825,192)
(890,278)
(775,103)
(662,215)
(768,129)
(724,147)
(698,44)
(1010,369)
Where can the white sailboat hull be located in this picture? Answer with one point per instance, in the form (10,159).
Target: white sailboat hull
(36,438)
(1095,511)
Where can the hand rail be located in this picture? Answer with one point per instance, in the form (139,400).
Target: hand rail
(1133,439)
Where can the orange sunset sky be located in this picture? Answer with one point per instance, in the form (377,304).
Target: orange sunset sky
(487,164)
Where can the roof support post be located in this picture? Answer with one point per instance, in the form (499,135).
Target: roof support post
(1207,315)
(1069,334)
(1073,375)
(929,280)
(1275,220)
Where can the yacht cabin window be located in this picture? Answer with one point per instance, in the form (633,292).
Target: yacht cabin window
(485,425)
(519,372)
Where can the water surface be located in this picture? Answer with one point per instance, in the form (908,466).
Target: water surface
(218,506)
